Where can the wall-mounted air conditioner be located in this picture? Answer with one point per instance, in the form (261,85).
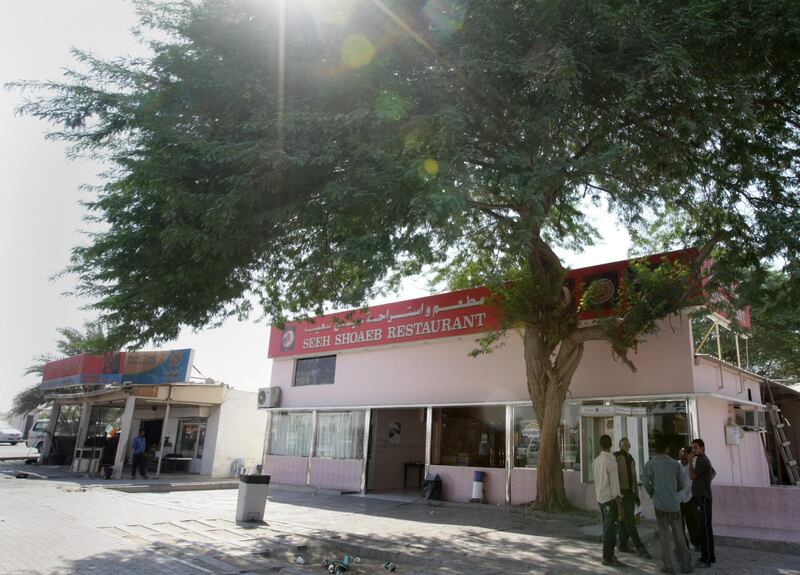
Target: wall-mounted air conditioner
(269,397)
(751,419)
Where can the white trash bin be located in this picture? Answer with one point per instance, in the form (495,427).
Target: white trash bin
(252,497)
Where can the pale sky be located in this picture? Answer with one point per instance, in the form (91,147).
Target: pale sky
(40,217)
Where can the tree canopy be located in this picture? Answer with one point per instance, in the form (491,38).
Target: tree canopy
(375,137)
(307,154)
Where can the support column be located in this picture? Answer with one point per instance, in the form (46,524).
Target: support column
(83,429)
(83,426)
(428,438)
(124,436)
(509,449)
(47,442)
(312,444)
(163,439)
(365,450)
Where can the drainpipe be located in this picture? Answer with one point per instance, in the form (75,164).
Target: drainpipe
(313,446)
(509,450)
(267,439)
(365,450)
(428,439)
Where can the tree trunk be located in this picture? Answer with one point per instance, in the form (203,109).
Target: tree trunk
(549,368)
(550,492)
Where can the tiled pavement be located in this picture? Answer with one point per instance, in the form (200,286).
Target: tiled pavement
(54,527)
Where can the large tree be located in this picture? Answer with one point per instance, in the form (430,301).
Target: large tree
(307,154)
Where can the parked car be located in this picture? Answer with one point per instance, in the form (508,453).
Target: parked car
(10,435)
(37,433)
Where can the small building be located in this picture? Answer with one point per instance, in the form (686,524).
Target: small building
(102,402)
(374,400)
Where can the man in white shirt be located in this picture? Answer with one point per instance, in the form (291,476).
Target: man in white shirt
(606,484)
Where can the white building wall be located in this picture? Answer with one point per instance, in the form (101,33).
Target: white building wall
(239,434)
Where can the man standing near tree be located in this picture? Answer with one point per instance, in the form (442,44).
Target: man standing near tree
(663,481)
(629,487)
(701,474)
(606,485)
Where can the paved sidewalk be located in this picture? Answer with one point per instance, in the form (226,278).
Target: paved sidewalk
(56,527)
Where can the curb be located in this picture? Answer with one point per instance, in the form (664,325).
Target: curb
(167,487)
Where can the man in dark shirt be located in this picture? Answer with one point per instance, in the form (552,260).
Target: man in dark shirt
(701,474)
(629,487)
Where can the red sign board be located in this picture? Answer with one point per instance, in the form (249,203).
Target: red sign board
(137,368)
(445,315)
(451,314)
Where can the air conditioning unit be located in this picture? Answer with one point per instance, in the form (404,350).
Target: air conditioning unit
(269,397)
(751,420)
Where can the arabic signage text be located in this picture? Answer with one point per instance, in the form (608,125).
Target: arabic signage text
(445,315)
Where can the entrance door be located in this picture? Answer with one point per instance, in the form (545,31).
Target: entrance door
(616,421)
(152,434)
(191,441)
(396,454)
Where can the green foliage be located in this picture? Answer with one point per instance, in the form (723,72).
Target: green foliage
(775,340)
(72,342)
(772,348)
(27,400)
(395,135)
(648,294)
(92,339)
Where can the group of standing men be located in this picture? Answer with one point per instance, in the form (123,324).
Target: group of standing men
(681,494)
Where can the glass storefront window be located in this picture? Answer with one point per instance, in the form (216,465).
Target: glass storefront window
(527,437)
(668,419)
(569,437)
(201,441)
(104,425)
(643,423)
(290,433)
(470,436)
(340,435)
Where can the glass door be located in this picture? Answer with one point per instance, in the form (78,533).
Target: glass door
(616,421)
(191,442)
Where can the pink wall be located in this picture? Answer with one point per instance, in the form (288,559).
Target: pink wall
(776,507)
(387,468)
(457,483)
(441,372)
(743,464)
(663,364)
(286,469)
(711,377)
(343,474)
(523,485)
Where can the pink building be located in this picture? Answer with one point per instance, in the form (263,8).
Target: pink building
(373,400)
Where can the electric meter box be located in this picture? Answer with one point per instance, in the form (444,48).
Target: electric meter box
(733,434)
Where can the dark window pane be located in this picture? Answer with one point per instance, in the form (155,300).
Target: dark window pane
(315,370)
(469,436)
